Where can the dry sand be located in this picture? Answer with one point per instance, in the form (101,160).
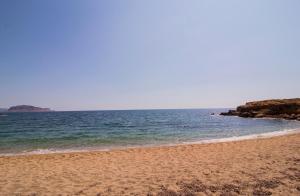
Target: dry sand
(251,167)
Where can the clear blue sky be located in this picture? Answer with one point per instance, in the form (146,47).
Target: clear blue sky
(116,54)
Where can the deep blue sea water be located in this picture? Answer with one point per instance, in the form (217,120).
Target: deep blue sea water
(84,130)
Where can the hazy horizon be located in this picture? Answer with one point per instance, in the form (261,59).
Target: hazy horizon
(133,109)
(116,55)
(128,109)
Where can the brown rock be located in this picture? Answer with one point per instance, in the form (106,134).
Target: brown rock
(275,108)
(259,115)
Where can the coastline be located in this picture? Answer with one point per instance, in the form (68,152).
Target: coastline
(252,166)
(204,141)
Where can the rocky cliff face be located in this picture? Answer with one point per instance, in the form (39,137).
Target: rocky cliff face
(275,108)
(27,108)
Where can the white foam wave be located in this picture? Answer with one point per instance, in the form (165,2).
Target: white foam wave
(53,151)
(88,149)
(247,137)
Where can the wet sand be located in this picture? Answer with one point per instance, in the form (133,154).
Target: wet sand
(250,167)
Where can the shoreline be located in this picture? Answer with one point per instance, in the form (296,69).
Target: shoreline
(260,166)
(205,141)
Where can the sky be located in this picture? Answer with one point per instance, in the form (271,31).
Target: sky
(133,54)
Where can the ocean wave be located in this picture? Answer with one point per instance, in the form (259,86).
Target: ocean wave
(247,137)
(95,149)
(52,151)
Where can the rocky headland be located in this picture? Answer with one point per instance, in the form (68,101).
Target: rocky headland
(27,108)
(275,108)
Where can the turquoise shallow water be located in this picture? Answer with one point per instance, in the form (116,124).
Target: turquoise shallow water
(61,131)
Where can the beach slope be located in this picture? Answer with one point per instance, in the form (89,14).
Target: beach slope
(250,167)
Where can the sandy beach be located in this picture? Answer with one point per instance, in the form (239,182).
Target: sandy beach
(250,167)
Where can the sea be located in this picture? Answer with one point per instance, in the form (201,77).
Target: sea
(76,131)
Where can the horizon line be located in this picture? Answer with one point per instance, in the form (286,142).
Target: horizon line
(138,109)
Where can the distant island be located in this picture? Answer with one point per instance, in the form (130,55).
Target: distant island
(28,108)
(274,108)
